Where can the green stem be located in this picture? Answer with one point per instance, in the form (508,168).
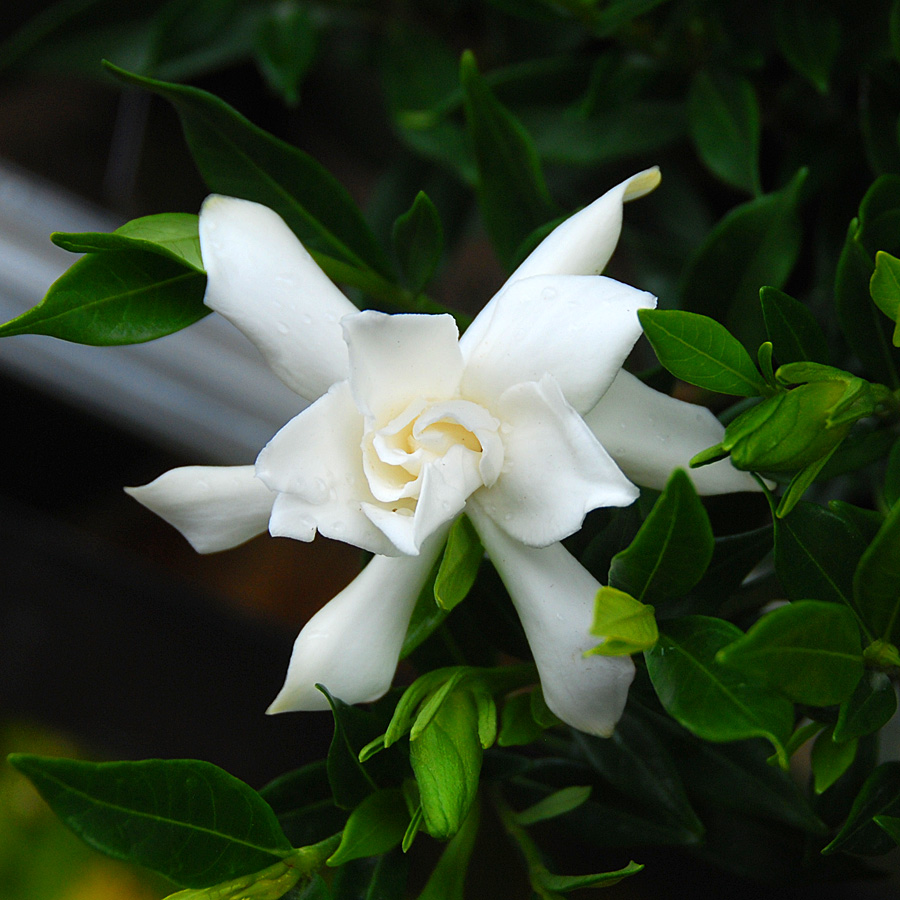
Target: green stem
(307,859)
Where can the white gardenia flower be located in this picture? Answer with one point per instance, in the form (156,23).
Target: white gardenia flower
(526,423)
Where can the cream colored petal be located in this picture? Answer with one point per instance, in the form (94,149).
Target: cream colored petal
(261,278)
(214,507)
(649,434)
(554,597)
(352,644)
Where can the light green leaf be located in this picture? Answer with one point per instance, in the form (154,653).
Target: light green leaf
(714,702)
(459,564)
(884,287)
(700,351)
(876,582)
(556,804)
(808,650)
(829,760)
(188,820)
(565,883)
(270,884)
(626,625)
(374,827)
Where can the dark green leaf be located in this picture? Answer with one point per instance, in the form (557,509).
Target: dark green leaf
(518,723)
(447,881)
(809,36)
(173,235)
(285,47)
(511,190)
(876,582)
(755,244)
(734,557)
(880,796)
(459,565)
(890,824)
(446,760)
(418,242)
(565,883)
(884,287)
(714,702)
(374,827)
(791,328)
(426,618)
(186,819)
(238,159)
(556,804)
(892,476)
(117,297)
(390,877)
(350,782)
(672,548)
(829,760)
(700,351)
(724,117)
(808,650)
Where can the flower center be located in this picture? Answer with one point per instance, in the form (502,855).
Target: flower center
(460,437)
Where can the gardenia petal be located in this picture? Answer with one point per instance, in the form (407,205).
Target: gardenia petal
(261,278)
(314,464)
(577,328)
(649,434)
(214,507)
(554,597)
(397,359)
(582,245)
(554,472)
(352,644)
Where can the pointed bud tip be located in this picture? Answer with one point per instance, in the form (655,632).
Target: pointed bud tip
(642,183)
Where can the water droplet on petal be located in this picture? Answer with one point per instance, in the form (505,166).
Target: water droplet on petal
(282,328)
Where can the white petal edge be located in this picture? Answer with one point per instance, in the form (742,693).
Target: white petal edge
(262,279)
(554,471)
(397,359)
(214,507)
(554,597)
(582,245)
(352,645)
(577,328)
(649,434)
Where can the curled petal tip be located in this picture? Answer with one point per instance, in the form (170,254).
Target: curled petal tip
(642,184)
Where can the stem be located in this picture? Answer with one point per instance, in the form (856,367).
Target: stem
(307,859)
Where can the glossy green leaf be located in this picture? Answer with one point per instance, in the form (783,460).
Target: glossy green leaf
(626,625)
(270,884)
(173,235)
(756,243)
(512,193)
(884,287)
(671,550)
(830,759)
(238,159)
(714,702)
(374,827)
(700,351)
(791,328)
(447,880)
(556,804)
(809,37)
(808,650)
(459,564)
(562,884)
(116,297)
(285,46)
(724,118)
(349,780)
(876,582)
(186,819)
(879,796)
(446,760)
(418,242)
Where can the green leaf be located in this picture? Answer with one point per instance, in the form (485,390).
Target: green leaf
(892,474)
(270,884)
(240,160)
(756,243)
(872,705)
(879,796)
(830,759)
(876,582)
(700,351)
(890,824)
(188,820)
(116,297)
(564,883)
(447,880)
(672,548)
(556,804)
(791,328)
(710,700)
(418,239)
(724,117)
(809,37)
(808,650)
(518,724)
(446,760)
(459,564)
(173,235)
(285,48)
(349,780)
(884,287)
(374,827)
(626,625)
(511,190)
